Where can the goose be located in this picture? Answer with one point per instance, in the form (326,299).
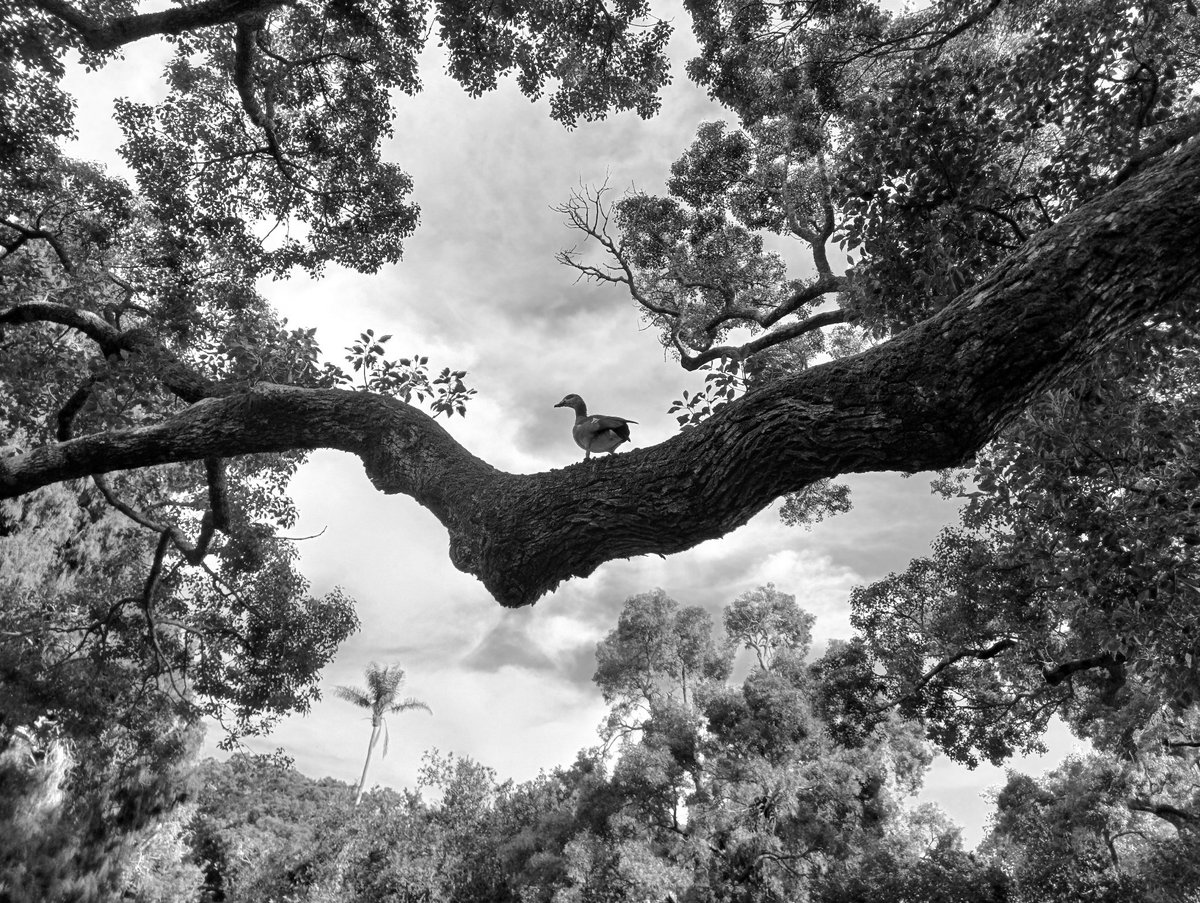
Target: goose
(596,432)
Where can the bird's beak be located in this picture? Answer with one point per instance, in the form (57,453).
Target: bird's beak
(559,405)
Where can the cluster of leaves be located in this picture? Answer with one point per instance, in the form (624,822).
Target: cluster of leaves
(285,356)
(988,141)
(710,791)
(268,141)
(722,384)
(235,637)
(1096,828)
(406,376)
(80,807)
(715,791)
(1069,587)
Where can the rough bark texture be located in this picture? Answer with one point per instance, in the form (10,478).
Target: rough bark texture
(928,399)
(109,34)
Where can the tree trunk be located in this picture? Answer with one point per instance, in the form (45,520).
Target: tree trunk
(925,400)
(362,782)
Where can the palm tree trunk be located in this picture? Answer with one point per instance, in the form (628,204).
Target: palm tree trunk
(362,782)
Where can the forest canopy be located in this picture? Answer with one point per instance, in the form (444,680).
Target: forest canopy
(997,203)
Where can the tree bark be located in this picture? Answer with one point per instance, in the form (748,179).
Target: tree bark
(109,34)
(925,400)
(362,781)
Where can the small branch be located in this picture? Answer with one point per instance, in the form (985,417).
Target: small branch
(147,605)
(73,405)
(762,342)
(923,681)
(216,517)
(1187,129)
(25,234)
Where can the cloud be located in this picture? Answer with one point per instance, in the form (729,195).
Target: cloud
(508,644)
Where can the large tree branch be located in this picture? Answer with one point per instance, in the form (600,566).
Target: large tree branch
(109,34)
(928,399)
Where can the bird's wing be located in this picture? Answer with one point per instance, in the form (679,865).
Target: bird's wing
(605,422)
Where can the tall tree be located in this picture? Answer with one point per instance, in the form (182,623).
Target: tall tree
(379,698)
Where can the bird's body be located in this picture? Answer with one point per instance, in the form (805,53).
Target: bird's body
(595,432)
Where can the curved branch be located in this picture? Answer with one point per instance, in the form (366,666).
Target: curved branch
(26,234)
(913,691)
(181,379)
(926,400)
(215,518)
(802,296)
(105,35)
(1165,811)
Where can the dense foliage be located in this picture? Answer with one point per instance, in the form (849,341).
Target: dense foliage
(907,153)
(711,790)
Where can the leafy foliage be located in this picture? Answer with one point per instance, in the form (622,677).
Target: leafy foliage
(1069,586)
(742,792)
(1086,831)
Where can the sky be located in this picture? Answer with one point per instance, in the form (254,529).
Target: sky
(479,289)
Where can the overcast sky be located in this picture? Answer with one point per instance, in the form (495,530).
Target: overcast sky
(479,289)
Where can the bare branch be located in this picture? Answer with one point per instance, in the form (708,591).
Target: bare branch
(764,341)
(215,518)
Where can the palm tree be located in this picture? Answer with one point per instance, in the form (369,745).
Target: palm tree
(380,698)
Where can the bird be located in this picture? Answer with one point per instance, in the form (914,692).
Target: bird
(598,432)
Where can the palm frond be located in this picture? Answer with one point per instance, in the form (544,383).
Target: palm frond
(380,694)
(353,695)
(384,682)
(408,704)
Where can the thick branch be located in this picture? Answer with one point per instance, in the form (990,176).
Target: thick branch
(103,35)
(1165,811)
(1056,675)
(185,382)
(928,399)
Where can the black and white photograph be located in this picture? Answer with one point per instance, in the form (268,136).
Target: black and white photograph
(599,451)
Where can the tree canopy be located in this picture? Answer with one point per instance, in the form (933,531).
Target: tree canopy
(740,790)
(998,201)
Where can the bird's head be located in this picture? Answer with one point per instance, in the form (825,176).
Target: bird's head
(572,401)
